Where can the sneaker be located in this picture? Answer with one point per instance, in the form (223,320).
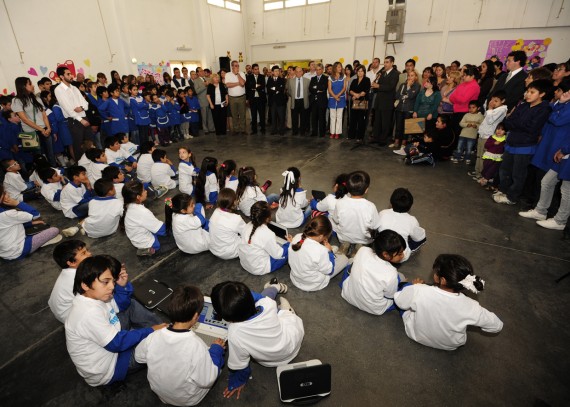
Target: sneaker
(161,190)
(533,214)
(72,231)
(497,193)
(454,160)
(394,145)
(284,305)
(280,287)
(473,174)
(502,199)
(550,224)
(401,151)
(58,238)
(145,252)
(467,162)
(477,178)
(334,249)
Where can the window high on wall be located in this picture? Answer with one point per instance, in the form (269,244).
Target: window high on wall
(269,5)
(229,4)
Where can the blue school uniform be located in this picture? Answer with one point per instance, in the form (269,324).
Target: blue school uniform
(5,141)
(12,132)
(194,108)
(555,133)
(58,146)
(158,116)
(93,100)
(140,111)
(173,111)
(117,109)
(63,130)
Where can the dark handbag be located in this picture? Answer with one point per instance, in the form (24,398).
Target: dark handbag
(359,104)
(447,107)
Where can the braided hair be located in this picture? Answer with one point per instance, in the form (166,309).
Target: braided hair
(318,226)
(290,185)
(225,171)
(260,215)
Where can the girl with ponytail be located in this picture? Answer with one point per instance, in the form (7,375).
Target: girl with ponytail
(186,221)
(227,175)
(249,192)
(311,257)
(259,253)
(292,200)
(327,205)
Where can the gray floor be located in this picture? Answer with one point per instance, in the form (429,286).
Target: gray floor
(372,359)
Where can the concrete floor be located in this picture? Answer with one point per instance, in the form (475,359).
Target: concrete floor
(372,359)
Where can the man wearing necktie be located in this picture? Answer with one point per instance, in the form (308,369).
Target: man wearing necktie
(512,84)
(256,97)
(384,102)
(318,100)
(298,92)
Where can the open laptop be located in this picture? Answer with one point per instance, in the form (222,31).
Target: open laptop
(303,381)
(209,326)
(319,195)
(152,293)
(280,232)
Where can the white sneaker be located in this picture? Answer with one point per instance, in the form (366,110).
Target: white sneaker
(400,151)
(57,239)
(532,214)
(284,305)
(550,224)
(72,231)
(280,287)
(393,145)
(502,199)
(498,193)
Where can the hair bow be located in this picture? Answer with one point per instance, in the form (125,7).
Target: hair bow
(468,281)
(223,165)
(168,202)
(289,177)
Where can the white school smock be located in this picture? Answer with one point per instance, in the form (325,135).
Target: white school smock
(89,327)
(94,171)
(404,224)
(225,231)
(188,233)
(84,161)
(119,191)
(250,196)
(143,167)
(116,157)
(186,172)
(292,215)
(372,283)
(129,148)
(14,185)
(12,233)
(211,185)
(34,177)
(439,319)
(255,257)
(232,183)
(160,174)
(104,216)
(49,190)
(70,197)
(355,218)
(61,297)
(272,338)
(310,265)
(180,368)
(140,226)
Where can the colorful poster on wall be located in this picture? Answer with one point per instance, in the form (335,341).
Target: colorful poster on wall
(535,50)
(155,70)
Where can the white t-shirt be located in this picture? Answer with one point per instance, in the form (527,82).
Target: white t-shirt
(180,369)
(12,233)
(160,174)
(311,266)
(255,257)
(143,167)
(188,233)
(439,319)
(404,224)
(89,327)
(236,90)
(14,185)
(61,297)
(186,172)
(250,196)
(372,283)
(70,197)
(104,216)
(272,338)
(292,215)
(140,226)
(225,231)
(94,171)
(355,218)
(211,185)
(49,190)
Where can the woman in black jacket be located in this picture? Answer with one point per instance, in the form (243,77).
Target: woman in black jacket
(217,96)
(359,89)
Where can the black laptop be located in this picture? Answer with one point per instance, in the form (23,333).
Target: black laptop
(152,293)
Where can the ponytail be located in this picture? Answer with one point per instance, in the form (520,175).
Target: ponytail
(173,205)
(260,213)
(246,178)
(458,273)
(341,189)
(130,191)
(225,170)
(318,226)
(298,245)
(290,184)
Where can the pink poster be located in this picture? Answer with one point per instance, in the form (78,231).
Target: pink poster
(535,50)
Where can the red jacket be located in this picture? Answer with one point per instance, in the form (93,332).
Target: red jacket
(464,93)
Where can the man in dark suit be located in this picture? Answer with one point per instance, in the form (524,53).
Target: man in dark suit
(277,101)
(298,91)
(318,100)
(513,83)
(256,97)
(385,85)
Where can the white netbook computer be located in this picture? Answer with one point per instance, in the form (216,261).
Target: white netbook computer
(280,232)
(304,382)
(209,326)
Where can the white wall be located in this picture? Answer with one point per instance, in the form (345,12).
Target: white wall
(147,30)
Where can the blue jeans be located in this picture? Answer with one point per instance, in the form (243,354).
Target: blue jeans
(464,143)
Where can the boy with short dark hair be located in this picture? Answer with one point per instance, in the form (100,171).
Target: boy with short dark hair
(118,157)
(524,126)
(76,195)
(14,184)
(162,171)
(105,211)
(181,368)
(52,187)
(98,163)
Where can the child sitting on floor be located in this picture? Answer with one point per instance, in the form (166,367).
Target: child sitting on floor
(291,212)
(226,226)
(187,222)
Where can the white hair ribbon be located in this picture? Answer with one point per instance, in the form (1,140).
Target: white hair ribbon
(468,283)
(289,178)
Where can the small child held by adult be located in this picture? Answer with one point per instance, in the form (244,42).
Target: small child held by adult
(293,207)
(372,281)
(468,137)
(181,368)
(259,252)
(258,328)
(226,226)
(311,257)
(187,222)
(438,315)
(101,348)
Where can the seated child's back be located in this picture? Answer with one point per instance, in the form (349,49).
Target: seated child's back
(105,210)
